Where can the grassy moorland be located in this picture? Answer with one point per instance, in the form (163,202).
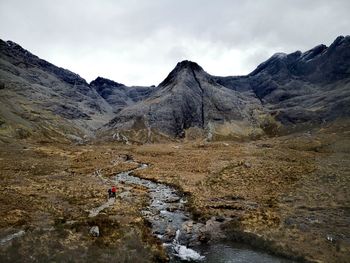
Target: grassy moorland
(287,194)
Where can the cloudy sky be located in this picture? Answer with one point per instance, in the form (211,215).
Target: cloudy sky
(138,42)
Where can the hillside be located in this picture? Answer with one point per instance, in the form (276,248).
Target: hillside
(285,93)
(288,91)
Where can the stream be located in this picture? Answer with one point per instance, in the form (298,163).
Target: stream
(180,235)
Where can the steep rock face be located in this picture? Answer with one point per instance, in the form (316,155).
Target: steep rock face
(302,87)
(287,90)
(118,95)
(188,97)
(38,96)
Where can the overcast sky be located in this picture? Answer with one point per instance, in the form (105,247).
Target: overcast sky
(140,42)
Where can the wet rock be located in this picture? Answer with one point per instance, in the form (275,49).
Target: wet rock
(95,231)
(172,199)
(198,235)
(187,226)
(213,229)
(159,232)
(171,208)
(163,214)
(169,234)
(146,213)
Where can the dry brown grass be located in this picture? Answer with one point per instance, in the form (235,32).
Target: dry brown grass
(286,190)
(292,192)
(48,190)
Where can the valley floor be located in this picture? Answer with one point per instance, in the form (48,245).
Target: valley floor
(289,195)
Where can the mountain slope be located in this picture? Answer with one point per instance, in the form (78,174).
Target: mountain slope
(189,97)
(286,92)
(40,99)
(118,95)
(309,87)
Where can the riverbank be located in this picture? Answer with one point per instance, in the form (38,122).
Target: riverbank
(47,193)
(288,195)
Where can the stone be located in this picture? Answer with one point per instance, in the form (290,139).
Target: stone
(94,231)
(331,238)
(247,165)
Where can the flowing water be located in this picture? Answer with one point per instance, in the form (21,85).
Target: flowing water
(167,214)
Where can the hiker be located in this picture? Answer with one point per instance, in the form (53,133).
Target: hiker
(109,193)
(114,190)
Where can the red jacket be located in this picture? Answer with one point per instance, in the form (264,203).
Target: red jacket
(114,189)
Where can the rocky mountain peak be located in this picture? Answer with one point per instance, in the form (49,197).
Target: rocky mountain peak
(14,53)
(340,40)
(100,82)
(187,64)
(333,60)
(183,67)
(309,87)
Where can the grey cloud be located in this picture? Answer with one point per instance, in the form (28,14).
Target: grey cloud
(138,42)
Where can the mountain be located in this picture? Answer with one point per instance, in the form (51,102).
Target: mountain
(118,95)
(284,93)
(41,100)
(287,91)
(309,87)
(189,97)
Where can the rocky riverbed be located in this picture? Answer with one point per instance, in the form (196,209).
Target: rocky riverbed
(184,238)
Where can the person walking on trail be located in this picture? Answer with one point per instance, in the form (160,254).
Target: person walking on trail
(114,190)
(109,193)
